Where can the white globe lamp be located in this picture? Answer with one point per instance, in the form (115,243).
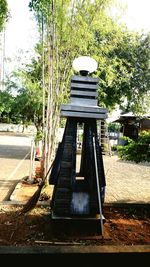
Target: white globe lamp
(84,65)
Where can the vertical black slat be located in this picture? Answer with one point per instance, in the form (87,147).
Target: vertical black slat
(90,172)
(62,201)
(85,151)
(91,176)
(56,165)
(88,157)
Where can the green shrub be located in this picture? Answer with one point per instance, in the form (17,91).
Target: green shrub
(114,148)
(137,151)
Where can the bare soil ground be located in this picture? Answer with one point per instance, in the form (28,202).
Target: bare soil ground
(128,225)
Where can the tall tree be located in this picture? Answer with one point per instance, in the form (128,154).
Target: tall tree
(28,101)
(6,102)
(68,33)
(69,29)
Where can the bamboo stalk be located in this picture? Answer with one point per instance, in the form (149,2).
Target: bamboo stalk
(32,157)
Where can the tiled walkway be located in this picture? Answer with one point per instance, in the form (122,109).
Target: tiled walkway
(126,182)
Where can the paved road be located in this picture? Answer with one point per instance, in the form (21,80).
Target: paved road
(14,161)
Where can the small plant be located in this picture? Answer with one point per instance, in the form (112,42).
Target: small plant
(38,137)
(137,151)
(114,148)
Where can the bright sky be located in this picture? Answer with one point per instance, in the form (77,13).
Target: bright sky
(137,15)
(20,30)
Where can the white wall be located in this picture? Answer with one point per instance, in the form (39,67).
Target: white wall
(10,127)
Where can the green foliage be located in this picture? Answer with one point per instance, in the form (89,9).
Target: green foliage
(3,13)
(62,123)
(113,127)
(140,80)
(84,28)
(123,59)
(6,102)
(74,23)
(38,137)
(114,148)
(25,106)
(137,151)
(74,28)
(28,101)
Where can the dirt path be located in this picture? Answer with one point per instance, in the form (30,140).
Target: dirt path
(126,182)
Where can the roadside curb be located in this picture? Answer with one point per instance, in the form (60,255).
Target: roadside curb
(75,249)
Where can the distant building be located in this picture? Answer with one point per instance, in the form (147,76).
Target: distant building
(132,125)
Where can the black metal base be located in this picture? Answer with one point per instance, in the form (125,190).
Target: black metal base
(76,217)
(67,186)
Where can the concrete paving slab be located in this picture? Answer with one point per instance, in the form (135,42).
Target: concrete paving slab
(126,182)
